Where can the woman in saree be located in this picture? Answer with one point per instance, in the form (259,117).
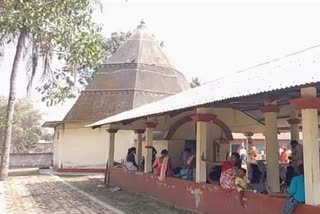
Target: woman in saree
(162,166)
(130,163)
(229,172)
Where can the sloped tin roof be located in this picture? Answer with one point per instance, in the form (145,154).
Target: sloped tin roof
(294,70)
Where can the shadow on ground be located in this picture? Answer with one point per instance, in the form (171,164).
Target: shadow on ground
(129,202)
(59,198)
(23,172)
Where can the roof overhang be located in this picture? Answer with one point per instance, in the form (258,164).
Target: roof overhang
(52,124)
(276,81)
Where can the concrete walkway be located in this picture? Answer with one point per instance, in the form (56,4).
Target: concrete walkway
(43,194)
(28,192)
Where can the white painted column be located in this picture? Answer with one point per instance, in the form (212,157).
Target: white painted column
(149,144)
(294,122)
(309,105)
(272,147)
(61,129)
(249,144)
(112,136)
(202,119)
(139,146)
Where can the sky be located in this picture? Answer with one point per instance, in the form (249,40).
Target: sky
(205,39)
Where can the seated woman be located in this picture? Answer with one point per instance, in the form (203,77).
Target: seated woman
(130,163)
(162,166)
(229,172)
(296,193)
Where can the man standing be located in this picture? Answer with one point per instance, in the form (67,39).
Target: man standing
(297,153)
(284,156)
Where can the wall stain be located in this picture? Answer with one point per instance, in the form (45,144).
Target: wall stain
(196,194)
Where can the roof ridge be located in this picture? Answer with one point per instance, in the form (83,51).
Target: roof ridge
(277,59)
(261,64)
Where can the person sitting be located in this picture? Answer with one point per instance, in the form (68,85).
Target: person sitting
(215,174)
(187,172)
(130,163)
(229,171)
(241,183)
(296,193)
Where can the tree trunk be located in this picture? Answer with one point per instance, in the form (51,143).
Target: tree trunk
(10,109)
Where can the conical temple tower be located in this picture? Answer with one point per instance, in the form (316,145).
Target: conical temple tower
(137,73)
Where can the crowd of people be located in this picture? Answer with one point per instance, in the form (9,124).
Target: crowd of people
(241,173)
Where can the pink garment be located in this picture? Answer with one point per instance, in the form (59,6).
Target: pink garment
(226,165)
(164,169)
(227,180)
(157,165)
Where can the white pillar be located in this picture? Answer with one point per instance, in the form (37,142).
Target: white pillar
(272,147)
(202,119)
(139,146)
(112,135)
(249,143)
(309,105)
(294,122)
(149,144)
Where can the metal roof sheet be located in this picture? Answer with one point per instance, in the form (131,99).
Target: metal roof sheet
(290,71)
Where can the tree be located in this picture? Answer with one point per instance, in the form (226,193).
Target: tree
(47,30)
(26,125)
(195,82)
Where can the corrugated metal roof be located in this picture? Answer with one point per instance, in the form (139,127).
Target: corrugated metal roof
(290,71)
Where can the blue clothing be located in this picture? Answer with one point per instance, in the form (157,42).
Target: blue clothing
(296,189)
(290,205)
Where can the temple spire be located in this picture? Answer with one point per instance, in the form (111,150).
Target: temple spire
(142,24)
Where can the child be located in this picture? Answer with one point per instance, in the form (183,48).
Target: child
(241,183)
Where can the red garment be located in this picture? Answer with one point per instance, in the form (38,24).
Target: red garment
(284,157)
(227,180)
(226,165)
(157,165)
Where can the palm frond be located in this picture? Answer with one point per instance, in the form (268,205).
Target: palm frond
(32,66)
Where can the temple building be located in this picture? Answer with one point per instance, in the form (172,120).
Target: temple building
(137,73)
(268,99)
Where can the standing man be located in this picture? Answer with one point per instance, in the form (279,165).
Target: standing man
(284,156)
(297,153)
